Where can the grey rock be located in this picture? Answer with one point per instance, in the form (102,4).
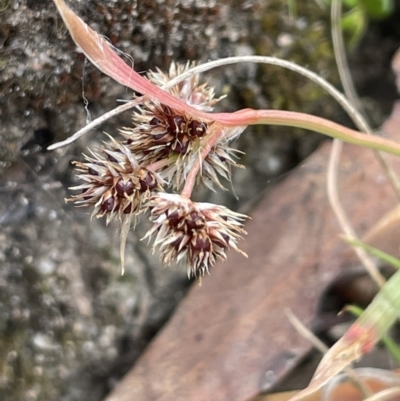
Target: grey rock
(70,325)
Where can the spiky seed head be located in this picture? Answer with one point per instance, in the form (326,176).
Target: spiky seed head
(113,182)
(199,96)
(199,233)
(164,134)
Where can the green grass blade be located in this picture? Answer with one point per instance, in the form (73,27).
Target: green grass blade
(389,259)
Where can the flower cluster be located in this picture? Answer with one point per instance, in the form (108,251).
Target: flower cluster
(161,134)
(113,182)
(199,233)
(164,148)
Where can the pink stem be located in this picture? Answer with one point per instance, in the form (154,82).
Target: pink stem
(309,122)
(157,165)
(103,56)
(191,178)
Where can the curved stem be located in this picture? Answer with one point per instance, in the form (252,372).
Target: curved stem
(337,95)
(104,57)
(341,59)
(243,117)
(227,119)
(347,82)
(334,201)
(98,121)
(332,185)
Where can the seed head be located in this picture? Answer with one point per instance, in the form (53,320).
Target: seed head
(162,134)
(113,182)
(199,233)
(199,96)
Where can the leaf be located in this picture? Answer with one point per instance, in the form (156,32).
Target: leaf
(229,339)
(389,343)
(361,337)
(389,259)
(378,9)
(102,55)
(355,23)
(392,347)
(349,348)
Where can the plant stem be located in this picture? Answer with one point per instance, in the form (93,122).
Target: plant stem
(157,165)
(191,178)
(350,91)
(341,59)
(299,120)
(334,201)
(317,124)
(98,121)
(338,96)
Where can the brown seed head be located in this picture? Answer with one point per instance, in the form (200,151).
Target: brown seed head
(200,233)
(163,134)
(113,182)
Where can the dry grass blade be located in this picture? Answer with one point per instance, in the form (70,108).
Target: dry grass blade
(100,52)
(361,337)
(341,215)
(385,395)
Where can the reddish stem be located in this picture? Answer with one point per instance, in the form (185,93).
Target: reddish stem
(191,178)
(157,165)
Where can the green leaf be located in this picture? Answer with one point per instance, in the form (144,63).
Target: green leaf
(389,259)
(348,3)
(354,310)
(388,342)
(378,9)
(355,22)
(392,347)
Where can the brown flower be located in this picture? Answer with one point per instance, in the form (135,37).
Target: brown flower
(199,96)
(113,182)
(176,139)
(199,233)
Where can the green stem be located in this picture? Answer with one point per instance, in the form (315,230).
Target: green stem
(317,124)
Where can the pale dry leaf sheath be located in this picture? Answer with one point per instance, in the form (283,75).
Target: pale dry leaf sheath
(101,54)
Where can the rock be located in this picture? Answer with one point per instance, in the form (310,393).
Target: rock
(70,325)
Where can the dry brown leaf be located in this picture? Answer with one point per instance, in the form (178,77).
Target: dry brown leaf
(343,353)
(229,339)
